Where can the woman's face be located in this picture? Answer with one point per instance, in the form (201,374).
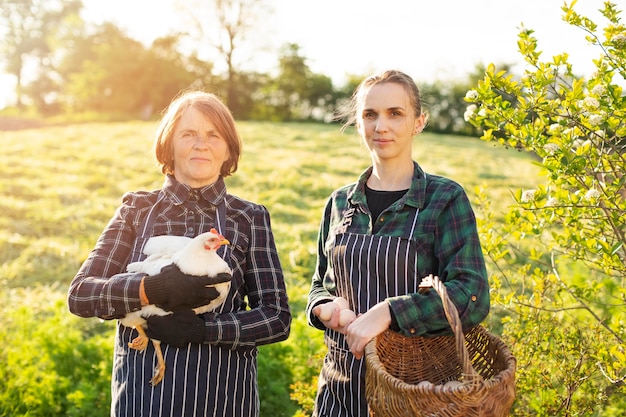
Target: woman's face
(199,150)
(387,122)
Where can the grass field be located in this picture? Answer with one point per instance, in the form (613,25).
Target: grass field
(60,185)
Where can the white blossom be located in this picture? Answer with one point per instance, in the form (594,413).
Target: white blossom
(551,148)
(620,38)
(554,128)
(592,194)
(469,112)
(600,133)
(578,143)
(598,90)
(552,202)
(528,196)
(595,119)
(471,95)
(591,103)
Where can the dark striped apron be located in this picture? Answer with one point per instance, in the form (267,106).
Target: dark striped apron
(367,269)
(146,231)
(214,382)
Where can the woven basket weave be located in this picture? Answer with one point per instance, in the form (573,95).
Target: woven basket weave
(470,375)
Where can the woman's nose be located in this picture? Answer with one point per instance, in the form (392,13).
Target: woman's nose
(201,140)
(381,124)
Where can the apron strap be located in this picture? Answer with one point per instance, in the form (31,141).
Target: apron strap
(417,212)
(142,236)
(220,221)
(146,231)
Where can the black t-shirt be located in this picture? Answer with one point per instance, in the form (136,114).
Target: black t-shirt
(377,201)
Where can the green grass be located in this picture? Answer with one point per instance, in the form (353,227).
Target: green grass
(60,185)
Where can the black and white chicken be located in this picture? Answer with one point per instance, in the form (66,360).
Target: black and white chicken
(196,257)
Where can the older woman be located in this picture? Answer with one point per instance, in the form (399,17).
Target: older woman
(210,358)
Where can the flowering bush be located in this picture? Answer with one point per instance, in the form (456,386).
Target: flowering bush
(559,263)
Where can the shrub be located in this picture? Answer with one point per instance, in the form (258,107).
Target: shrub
(559,260)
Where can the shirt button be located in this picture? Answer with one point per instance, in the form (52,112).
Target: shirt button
(412,331)
(191,213)
(190,229)
(382,219)
(473,298)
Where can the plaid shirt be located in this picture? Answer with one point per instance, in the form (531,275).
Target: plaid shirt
(255,312)
(102,287)
(448,246)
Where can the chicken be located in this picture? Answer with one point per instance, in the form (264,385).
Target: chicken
(195,256)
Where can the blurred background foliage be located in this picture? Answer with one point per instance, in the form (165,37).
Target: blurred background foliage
(67,69)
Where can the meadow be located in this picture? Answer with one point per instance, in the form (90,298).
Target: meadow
(60,185)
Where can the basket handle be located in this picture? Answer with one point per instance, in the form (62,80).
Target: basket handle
(452,315)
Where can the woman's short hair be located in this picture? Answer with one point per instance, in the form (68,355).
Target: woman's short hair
(214,109)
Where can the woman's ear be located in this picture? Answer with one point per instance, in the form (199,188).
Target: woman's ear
(418,125)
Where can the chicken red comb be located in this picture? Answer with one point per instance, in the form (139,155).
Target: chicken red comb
(215,232)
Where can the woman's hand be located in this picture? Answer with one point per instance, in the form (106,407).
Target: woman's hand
(335,315)
(366,327)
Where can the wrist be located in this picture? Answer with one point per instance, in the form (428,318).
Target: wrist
(156,289)
(143,298)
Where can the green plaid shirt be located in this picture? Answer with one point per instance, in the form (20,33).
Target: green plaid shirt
(448,244)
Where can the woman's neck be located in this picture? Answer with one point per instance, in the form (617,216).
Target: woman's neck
(391,178)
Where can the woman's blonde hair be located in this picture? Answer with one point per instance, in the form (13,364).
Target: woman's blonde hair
(214,109)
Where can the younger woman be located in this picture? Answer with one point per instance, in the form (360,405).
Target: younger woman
(380,236)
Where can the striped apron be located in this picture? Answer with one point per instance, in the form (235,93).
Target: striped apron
(367,270)
(200,380)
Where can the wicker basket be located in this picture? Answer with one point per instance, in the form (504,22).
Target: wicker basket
(447,376)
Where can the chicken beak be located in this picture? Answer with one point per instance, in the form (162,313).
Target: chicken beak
(216,246)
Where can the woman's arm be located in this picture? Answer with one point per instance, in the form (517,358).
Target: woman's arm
(269,318)
(318,294)
(101,287)
(461,267)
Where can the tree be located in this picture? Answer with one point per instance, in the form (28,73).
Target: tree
(231,21)
(149,78)
(100,83)
(559,262)
(297,93)
(444,101)
(29,27)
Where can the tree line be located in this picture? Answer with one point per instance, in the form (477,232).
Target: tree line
(83,68)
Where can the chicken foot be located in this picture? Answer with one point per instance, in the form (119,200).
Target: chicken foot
(159,371)
(140,343)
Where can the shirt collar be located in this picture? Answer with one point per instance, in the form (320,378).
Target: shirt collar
(415,196)
(180,193)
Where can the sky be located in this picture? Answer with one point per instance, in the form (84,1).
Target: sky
(430,40)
